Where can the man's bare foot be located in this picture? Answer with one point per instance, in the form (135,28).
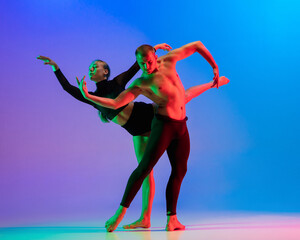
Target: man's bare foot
(222,81)
(173,224)
(112,223)
(140,223)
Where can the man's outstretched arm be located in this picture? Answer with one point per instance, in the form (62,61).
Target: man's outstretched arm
(195,91)
(124,98)
(189,49)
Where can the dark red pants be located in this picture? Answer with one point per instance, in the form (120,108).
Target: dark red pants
(166,134)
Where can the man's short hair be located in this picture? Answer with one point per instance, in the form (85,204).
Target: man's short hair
(144,49)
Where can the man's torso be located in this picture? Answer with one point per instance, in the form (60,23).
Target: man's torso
(165,88)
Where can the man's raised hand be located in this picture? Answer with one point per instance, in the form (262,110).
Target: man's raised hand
(82,86)
(216,77)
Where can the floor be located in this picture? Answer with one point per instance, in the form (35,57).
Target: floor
(246,226)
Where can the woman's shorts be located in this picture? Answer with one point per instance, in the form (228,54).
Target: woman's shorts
(140,119)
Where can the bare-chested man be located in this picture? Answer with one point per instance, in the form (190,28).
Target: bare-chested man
(160,83)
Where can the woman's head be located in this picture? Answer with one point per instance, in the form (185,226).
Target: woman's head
(99,71)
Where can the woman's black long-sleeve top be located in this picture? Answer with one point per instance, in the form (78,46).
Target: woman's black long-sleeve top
(105,88)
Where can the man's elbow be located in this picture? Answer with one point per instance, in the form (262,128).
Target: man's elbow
(107,104)
(199,44)
(115,105)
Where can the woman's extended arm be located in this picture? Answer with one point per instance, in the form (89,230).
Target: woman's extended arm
(163,46)
(72,90)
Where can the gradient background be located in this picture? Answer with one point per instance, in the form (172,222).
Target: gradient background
(58,161)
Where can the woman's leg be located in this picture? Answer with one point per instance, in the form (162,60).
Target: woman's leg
(157,144)
(148,189)
(195,91)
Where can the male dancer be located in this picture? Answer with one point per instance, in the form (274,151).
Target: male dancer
(160,83)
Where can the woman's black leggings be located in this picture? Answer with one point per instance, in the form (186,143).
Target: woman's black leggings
(166,134)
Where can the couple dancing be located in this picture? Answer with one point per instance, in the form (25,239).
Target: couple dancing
(160,83)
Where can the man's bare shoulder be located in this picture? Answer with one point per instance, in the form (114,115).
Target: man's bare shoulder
(138,83)
(142,84)
(170,57)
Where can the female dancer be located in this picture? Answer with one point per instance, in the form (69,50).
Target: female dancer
(136,117)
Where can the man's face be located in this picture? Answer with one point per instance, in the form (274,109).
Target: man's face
(97,72)
(147,63)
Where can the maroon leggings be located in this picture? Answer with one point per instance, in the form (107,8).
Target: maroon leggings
(166,134)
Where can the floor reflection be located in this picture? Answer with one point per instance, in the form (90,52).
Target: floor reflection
(258,227)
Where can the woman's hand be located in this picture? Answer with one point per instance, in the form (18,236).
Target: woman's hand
(48,61)
(82,86)
(163,46)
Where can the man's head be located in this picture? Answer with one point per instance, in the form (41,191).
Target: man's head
(99,71)
(146,58)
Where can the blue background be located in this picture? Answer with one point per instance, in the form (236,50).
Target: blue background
(58,160)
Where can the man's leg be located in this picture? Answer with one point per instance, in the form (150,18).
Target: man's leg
(178,153)
(157,144)
(148,188)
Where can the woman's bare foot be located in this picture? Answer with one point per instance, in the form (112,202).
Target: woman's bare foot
(140,223)
(112,223)
(222,81)
(173,224)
